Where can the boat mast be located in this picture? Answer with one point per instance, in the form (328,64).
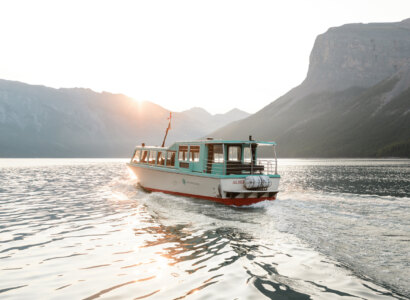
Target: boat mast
(168,128)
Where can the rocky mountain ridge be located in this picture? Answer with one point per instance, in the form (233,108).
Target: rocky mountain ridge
(354,102)
(358,55)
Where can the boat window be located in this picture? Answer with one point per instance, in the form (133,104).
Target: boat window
(144,157)
(234,153)
(160,158)
(183,153)
(171,158)
(247,155)
(194,153)
(152,155)
(218,154)
(136,157)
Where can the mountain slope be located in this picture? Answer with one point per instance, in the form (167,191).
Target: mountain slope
(205,122)
(37,121)
(349,105)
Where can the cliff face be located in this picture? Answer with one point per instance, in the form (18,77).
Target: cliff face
(358,80)
(358,55)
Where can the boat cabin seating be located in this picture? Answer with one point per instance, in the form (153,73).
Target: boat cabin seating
(237,167)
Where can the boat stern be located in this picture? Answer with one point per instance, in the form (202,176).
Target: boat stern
(252,187)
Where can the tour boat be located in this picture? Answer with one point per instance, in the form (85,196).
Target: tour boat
(225,171)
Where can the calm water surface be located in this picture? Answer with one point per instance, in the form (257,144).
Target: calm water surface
(80,229)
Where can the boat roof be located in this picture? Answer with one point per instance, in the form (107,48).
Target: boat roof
(211,141)
(215,141)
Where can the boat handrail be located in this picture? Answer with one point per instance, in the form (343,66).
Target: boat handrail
(262,166)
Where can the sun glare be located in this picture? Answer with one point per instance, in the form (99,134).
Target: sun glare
(118,196)
(131,174)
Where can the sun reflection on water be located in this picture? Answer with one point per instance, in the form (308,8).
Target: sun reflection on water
(77,232)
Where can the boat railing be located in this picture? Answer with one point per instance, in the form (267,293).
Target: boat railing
(263,166)
(214,168)
(269,166)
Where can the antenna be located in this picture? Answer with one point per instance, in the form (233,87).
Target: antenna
(168,128)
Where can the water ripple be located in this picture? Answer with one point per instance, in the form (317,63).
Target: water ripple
(81,229)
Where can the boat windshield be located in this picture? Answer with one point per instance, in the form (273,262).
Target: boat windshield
(234,153)
(218,154)
(194,153)
(136,158)
(171,158)
(247,157)
(161,158)
(144,158)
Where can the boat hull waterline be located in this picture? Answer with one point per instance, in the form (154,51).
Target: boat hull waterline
(229,191)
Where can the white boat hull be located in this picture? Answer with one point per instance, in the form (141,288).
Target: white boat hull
(229,191)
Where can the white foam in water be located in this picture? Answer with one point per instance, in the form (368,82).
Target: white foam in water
(370,234)
(295,261)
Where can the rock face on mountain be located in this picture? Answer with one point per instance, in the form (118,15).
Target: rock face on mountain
(36,121)
(354,102)
(358,55)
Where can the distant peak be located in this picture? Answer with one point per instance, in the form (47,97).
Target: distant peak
(197,109)
(237,112)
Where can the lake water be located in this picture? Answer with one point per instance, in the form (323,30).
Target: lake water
(80,229)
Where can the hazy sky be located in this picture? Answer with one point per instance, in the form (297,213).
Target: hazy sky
(178,54)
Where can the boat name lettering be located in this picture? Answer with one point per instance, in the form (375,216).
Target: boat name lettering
(241,181)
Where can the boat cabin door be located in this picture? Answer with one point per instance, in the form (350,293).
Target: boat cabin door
(215,159)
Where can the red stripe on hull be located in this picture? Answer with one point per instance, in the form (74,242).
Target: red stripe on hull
(226,201)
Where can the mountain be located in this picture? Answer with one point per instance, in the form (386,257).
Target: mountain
(37,121)
(354,102)
(208,123)
(229,117)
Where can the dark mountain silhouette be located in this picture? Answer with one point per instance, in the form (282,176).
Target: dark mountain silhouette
(37,121)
